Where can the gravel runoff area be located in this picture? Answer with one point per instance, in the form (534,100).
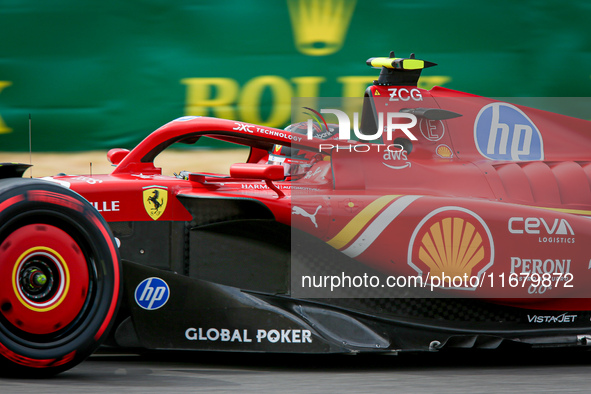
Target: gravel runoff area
(79,163)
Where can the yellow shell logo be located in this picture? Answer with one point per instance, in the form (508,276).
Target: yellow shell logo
(451,246)
(451,242)
(444,151)
(155,200)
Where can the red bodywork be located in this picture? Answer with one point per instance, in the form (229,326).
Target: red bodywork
(448,206)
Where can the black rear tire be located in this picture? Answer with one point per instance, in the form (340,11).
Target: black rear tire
(59,278)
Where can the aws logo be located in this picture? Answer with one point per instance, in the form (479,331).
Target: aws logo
(397,158)
(320,27)
(451,241)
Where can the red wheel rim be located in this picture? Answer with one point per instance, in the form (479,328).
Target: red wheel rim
(44,279)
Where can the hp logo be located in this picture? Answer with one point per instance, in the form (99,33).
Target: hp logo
(152,293)
(503,132)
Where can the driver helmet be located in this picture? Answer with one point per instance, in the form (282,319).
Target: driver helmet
(297,162)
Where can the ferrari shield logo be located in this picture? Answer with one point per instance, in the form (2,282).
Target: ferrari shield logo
(155,199)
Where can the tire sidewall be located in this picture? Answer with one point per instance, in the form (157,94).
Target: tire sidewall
(68,210)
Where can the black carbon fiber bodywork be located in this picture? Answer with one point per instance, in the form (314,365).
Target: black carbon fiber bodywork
(231,288)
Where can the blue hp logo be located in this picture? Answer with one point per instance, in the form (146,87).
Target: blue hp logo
(152,293)
(503,132)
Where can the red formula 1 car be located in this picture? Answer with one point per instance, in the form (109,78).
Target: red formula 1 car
(444,220)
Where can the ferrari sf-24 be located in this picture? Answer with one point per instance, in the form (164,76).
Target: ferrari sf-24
(434,219)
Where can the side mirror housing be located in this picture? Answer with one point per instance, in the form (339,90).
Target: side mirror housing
(272,172)
(115,155)
(266,172)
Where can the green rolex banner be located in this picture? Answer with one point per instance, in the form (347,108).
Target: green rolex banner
(95,75)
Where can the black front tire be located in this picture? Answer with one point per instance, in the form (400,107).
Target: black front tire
(60,281)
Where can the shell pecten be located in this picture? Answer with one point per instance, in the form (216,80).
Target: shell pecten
(451,247)
(444,151)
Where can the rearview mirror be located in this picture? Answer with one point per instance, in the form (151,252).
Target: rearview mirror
(272,172)
(266,172)
(115,155)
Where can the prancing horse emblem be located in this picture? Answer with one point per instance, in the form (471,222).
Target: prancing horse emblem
(300,211)
(155,199)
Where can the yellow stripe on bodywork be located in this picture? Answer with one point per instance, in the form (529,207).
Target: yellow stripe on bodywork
(573,211)
(359,221)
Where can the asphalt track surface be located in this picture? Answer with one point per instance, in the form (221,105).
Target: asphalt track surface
(516,370)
